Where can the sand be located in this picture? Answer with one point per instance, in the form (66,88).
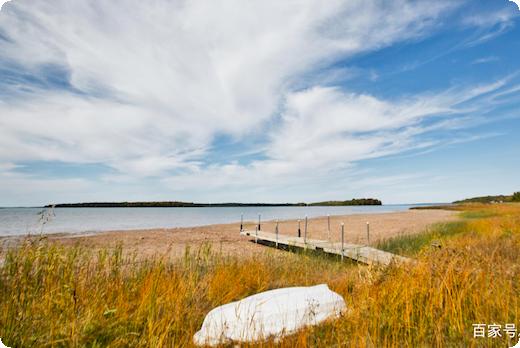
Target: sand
(172,242)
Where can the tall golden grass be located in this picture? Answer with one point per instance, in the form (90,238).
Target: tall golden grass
(71,296)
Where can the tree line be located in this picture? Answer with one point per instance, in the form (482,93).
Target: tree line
(179,204)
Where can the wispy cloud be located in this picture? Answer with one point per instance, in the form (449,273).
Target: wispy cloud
(151,86)
(491,24)
(147,89)
(484,60)
(324,130)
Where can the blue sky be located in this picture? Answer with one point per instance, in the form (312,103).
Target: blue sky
(258,101)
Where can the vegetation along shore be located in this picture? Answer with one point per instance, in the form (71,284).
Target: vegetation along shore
(178,204)
(71,295)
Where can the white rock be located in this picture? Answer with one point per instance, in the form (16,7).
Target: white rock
(272,313)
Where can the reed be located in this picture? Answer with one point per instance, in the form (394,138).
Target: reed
(59,296)
(411,244)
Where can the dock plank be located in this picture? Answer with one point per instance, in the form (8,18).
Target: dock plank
(357,252)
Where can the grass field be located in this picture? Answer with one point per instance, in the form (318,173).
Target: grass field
(53,296)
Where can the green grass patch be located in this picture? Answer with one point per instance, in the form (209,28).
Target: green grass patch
(411,244)
(477,214)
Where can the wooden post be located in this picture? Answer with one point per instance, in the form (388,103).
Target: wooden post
(299,229)
(259,217)
(276,230)
(368,233)
(256,234)
(241,222)
(305,232)
(342,240)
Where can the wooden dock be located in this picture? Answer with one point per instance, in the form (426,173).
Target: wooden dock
(360,253)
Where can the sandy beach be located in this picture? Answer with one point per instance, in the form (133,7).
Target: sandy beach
(225,237)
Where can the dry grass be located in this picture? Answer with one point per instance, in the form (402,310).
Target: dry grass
(70,296)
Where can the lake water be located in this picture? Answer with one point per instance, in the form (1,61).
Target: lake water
(19,221)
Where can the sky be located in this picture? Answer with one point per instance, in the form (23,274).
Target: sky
(258,101)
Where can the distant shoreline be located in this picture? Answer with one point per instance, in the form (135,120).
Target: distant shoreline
(176,204)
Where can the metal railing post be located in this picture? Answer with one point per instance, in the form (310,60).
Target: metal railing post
(276,230)
(368,233)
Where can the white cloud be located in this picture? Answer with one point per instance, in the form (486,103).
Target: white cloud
(154,83)
(2,2)
(501,16)
(324,131)
(173,74)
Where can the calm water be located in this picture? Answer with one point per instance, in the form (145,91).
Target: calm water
(17,221)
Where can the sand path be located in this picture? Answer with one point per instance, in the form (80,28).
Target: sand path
(172,242)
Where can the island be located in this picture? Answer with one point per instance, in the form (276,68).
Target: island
(179,204)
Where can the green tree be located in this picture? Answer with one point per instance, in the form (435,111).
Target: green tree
(516,197)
